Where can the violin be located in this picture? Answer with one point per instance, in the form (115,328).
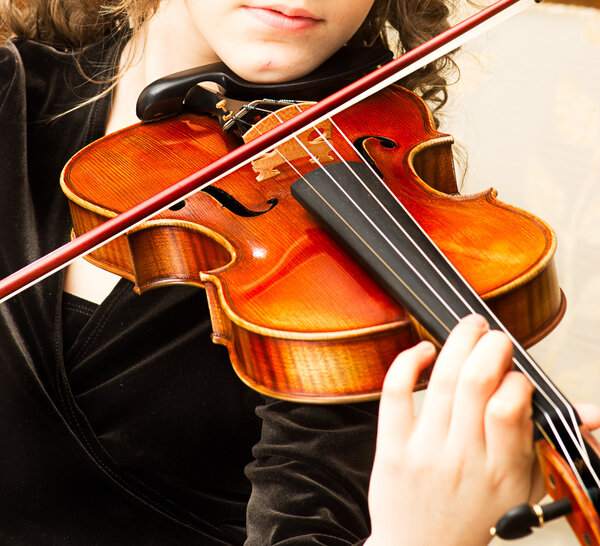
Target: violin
(301,319)
(327,255)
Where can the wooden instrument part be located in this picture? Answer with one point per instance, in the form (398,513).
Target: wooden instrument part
(561,483)
(301,320)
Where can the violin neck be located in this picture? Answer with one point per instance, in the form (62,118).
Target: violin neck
(371,222)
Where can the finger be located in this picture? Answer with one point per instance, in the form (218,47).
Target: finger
(589,414)
(396,411)
(481,375)
(508,424)
(439,399)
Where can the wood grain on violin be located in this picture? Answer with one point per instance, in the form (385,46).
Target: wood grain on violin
(300,318)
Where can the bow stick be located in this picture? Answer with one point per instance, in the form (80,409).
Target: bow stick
(393,71)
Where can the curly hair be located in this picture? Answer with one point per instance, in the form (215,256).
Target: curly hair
(399,25)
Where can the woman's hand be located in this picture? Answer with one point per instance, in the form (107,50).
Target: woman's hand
(446,476)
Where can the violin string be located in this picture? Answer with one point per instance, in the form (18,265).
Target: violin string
(447,41)
(419,249)
(394,220)
(342,160)
(570,429)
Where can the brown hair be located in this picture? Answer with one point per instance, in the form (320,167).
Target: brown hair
(76,23)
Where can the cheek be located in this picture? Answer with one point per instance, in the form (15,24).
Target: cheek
(206,15)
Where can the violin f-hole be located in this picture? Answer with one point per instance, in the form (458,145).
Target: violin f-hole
(233,205)
(359,144)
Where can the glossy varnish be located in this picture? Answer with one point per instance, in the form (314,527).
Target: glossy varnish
(301,319)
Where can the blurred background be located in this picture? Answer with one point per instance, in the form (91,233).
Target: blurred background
(526,110)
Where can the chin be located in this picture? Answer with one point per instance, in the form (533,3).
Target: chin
(272,71)
(273,76)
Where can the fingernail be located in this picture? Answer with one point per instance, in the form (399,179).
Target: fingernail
(476,320)
(425,347)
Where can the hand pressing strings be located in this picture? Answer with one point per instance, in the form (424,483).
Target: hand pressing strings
(469,456)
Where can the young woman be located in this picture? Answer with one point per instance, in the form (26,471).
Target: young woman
(122,422)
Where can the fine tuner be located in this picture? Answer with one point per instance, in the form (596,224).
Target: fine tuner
(375,152)
(518,522)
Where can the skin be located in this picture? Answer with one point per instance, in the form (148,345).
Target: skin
(261,40)
(263,44)
(256,39)
(471,445)
(468,457)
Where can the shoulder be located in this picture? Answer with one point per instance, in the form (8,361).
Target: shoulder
(11,68)
(9,55)
(55,76)
(29,72)
(19,55)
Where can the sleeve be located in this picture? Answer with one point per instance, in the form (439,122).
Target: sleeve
(12,111)
(310,474)
(11,75)
(14,199)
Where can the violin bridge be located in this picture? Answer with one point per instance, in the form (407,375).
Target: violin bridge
(305,145)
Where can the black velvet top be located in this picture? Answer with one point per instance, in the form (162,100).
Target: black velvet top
(139,432)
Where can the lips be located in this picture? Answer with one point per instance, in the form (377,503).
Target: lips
(291,12)
(283,17)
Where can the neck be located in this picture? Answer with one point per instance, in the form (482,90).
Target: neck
(167,43)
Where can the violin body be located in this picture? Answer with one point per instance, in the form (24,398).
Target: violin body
(301,319)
